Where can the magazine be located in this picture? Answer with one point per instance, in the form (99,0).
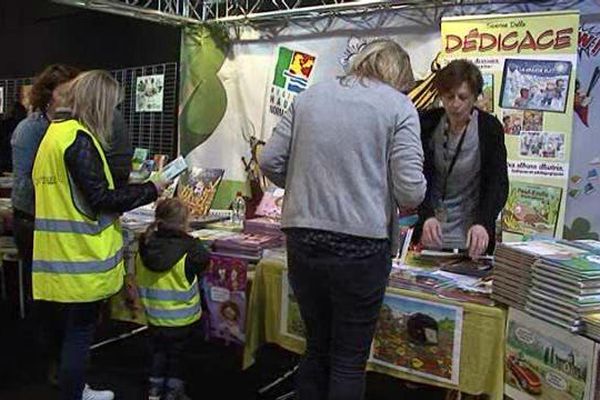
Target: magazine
(531,209)
(535,85)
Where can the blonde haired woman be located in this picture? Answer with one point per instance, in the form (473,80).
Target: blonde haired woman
(348,152)
(77,245)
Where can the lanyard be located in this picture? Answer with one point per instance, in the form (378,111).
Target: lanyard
(453,162)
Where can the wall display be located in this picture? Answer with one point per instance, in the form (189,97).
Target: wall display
(582,219)
(546,362)
(225,293)
(418,336)
(291,323)
(149,93)
(533,58)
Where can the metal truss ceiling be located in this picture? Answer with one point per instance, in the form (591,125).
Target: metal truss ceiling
(189,12)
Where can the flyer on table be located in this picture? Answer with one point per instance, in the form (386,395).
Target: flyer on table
(529,63)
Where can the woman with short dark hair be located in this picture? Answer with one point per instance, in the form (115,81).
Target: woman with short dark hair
(465,166)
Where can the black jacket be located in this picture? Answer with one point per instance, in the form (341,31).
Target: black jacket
(86,169)
(120,153)
(494,174)
(162,249)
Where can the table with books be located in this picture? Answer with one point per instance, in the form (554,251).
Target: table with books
(475,362)
(552,288)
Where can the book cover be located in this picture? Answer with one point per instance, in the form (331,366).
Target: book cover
(225,284)
(197,188)
(544,361)
(535,85)
(531,209)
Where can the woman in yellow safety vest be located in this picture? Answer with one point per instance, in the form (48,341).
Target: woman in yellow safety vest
(78,245)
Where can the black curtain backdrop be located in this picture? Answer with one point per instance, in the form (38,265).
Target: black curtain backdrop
(36,33)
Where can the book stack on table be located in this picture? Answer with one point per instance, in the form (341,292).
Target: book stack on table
(566,289)
(513,268)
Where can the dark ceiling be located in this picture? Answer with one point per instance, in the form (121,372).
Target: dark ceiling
(35,33)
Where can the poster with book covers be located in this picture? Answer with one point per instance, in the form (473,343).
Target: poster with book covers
(533,60)
(582,219)
(419,336)
(543,361)
(225,293)
(531,209)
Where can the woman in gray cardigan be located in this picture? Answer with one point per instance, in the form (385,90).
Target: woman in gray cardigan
(348,152)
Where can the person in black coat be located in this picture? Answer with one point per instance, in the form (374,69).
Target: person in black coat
(16,113)
(465,166)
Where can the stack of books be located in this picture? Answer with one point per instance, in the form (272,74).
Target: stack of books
(208,236)
(265,226)
(566,288)
(592,326)
(513,265)
(512,274)
(246,244)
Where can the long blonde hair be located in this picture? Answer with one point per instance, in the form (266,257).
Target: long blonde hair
(386,61)
(93,98)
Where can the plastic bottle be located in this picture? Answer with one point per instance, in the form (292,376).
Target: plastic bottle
(238,216)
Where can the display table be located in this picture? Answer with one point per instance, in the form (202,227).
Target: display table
(482,351)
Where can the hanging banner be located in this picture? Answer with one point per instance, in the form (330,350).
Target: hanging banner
(582,219)
(529,63)
(234,90)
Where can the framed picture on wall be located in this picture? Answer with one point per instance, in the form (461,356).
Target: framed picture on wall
(1,99)
(149,93)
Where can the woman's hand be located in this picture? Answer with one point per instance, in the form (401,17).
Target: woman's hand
(477,241)
(432,233)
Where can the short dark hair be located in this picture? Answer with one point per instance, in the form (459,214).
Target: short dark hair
(455,73)
(45,83)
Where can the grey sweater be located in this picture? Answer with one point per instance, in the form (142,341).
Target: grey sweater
(345,152)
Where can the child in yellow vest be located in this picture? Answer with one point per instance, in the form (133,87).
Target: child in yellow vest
(167,268)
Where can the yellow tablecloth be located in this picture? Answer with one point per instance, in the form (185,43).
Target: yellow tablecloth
(482,351)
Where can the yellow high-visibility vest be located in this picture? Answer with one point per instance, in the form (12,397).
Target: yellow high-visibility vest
(168,297)
(77,255)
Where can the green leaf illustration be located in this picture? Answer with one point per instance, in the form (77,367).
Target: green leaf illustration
(203,99)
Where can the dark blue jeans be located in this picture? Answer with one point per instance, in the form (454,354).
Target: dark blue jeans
(339,300)
(167,347)
(79,331)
